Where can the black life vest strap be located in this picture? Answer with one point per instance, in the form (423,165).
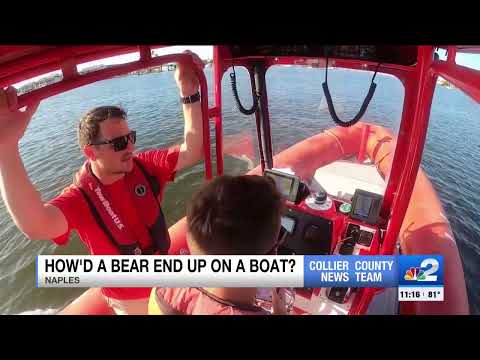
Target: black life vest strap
(122,249)
(152,180)
(155,187)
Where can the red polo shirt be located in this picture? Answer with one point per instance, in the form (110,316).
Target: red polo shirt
(159,163)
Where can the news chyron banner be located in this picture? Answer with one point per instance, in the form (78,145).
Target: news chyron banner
(418,278)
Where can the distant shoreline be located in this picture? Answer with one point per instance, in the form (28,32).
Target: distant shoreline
(445,83)
(151,70)
(34,85)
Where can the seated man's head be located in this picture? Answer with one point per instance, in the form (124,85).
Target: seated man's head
(106,139)
(237,215)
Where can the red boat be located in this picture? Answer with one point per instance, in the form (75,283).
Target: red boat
(340,165)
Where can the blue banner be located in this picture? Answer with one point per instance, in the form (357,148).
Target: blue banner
(372,271)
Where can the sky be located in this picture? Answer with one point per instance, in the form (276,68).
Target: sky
(468,60)
(206,52)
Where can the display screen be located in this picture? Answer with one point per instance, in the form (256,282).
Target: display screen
(286,184)
(366,206)
(288,223)
(363,205)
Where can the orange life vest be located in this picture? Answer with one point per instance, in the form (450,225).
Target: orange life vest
(196,301)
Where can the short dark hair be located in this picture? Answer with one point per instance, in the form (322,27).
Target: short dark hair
(235,215)
(89,126)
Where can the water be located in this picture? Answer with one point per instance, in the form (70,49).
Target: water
(298,110)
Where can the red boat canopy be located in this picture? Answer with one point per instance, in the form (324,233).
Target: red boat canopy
(18,63)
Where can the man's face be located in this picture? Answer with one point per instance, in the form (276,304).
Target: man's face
(111,161)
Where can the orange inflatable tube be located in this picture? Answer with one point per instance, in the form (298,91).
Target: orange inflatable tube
(425,230)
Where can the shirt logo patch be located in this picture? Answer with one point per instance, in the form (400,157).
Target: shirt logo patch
(140,190)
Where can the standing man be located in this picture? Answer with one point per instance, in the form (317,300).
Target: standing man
(114,201)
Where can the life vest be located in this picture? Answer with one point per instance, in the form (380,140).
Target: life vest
(195,301)
(145,190)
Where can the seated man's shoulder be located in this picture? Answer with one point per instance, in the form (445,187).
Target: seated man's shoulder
(167,301)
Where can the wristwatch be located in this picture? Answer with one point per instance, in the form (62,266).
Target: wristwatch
(191,99)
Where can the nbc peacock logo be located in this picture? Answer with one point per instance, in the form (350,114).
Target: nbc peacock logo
(415,274)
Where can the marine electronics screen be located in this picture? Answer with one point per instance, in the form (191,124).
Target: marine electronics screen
(287,184)
(366,206)
(363,206)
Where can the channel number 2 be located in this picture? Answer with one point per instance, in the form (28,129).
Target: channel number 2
(428,273)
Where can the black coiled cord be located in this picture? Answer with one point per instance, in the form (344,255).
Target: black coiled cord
(253,109)
(363,108)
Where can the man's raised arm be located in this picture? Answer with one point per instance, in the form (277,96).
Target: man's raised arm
(191,151)
(23,201)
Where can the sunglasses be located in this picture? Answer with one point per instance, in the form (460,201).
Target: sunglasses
(120,143)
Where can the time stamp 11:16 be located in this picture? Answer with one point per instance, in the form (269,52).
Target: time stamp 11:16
(420,294)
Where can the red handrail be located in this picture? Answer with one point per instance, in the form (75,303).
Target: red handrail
(217,78)
(413,149)
(466,79)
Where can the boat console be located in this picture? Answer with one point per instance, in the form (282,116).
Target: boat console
(318,224)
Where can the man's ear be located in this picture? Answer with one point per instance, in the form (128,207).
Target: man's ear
(89,153)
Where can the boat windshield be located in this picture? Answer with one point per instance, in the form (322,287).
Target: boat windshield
(305,139)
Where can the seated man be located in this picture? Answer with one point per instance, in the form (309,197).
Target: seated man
(228,216)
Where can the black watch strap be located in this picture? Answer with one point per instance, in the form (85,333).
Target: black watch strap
(191,99)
